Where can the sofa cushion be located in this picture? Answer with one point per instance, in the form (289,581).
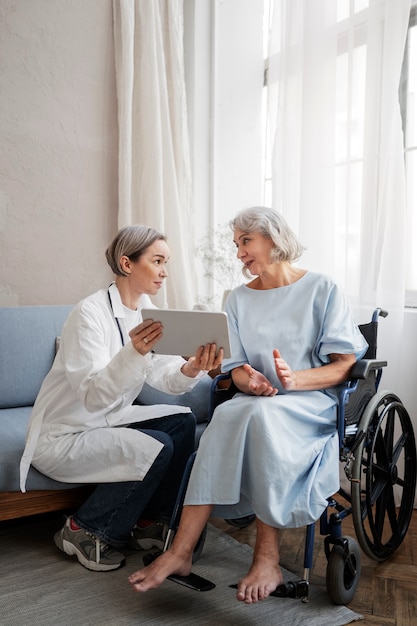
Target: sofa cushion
(13,425)
(27,350)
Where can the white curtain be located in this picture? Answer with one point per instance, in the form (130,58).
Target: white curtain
(338,173)
(154,161)
(338,167)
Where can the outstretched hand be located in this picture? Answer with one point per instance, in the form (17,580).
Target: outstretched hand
(258,384)
(284,372)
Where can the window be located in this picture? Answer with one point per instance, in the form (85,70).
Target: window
(349,134)
(408,101)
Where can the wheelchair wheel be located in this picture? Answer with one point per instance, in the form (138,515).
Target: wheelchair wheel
(383,476)
(343,570)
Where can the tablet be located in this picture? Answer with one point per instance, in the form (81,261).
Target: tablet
(186,331)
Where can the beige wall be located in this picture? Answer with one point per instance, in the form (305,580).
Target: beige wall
(58,155)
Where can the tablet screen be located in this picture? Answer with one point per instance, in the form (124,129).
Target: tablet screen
(186,331)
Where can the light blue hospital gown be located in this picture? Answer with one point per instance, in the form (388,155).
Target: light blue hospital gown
(277,456)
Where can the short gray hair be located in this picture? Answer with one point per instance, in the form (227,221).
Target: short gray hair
(130,241)
(271,225)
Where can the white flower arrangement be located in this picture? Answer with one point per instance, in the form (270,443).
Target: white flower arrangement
(218,257)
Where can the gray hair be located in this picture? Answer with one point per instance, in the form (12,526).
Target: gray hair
(271,225)
(130,241)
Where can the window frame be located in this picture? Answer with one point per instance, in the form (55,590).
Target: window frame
(410,294)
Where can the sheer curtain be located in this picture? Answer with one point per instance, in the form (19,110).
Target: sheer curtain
(337,152)
(154,161)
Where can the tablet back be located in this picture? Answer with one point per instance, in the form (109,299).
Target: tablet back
(185,331)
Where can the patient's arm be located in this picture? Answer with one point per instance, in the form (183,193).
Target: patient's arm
(248,380)
(334,373)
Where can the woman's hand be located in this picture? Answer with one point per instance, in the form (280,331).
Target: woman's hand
(284,372)
(323,377)
(205,359)
(145,335)
(249,380)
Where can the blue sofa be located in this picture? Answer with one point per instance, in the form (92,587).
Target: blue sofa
(28,336)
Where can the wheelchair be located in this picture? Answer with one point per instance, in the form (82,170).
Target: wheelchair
(378,451)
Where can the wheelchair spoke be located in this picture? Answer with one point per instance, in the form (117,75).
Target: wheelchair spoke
(377,508)
(399,447)
(392,513)
(374,493)
(386,505)
(383,442)
(382,491)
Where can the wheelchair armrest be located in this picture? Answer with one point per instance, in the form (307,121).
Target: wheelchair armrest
(224,376)
(222,389)
(363,367)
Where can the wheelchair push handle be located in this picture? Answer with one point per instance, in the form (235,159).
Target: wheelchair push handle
(377,313)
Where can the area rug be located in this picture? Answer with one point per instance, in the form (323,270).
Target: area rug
(40,586)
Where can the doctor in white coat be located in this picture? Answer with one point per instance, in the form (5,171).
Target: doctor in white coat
(85,426)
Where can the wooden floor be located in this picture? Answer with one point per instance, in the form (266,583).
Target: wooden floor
(387,591)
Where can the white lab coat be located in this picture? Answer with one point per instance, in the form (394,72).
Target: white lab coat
(74,432)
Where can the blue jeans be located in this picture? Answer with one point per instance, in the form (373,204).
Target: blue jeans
(113,509)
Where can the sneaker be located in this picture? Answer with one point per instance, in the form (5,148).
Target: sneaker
(152,536)
(92,552)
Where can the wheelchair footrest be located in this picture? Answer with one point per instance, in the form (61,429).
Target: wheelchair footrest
(192,581)
(291,589)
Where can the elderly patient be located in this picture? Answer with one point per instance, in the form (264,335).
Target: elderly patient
(273,448)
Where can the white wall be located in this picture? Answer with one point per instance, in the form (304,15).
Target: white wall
(58,158)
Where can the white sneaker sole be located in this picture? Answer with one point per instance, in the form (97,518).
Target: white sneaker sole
(70,549)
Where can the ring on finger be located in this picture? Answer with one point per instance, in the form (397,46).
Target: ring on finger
(145,340)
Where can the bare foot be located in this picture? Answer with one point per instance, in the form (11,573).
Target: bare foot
(156,572)
(262,579)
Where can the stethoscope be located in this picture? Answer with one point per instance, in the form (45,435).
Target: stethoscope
(116,318)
